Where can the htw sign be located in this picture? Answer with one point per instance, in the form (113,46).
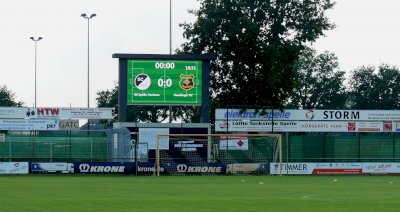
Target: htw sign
(48,111)
(43,112)
(69,113)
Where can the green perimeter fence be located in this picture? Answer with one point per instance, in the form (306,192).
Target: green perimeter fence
(357,147)
(117,146)
(93,146)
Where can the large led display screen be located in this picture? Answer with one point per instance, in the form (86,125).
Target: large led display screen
(164,82)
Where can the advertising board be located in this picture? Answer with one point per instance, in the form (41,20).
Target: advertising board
(71,124)
(13,112)
(146,168)
(189,168)
(234,143)
(54,113)
(59,167)
(104,167)
(381,168)
(14,167)
(247,168)
(164,82)
(302,126)
(149,168)
(308,115)
(29,124)
(316,168)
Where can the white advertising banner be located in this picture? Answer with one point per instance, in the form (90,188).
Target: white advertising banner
(381,168)
(14,168)
(316,168)
(234,143)
(13,112)
(59,167)
(304,126)
(55,113)
(28,124)
(255,126)
(307,115)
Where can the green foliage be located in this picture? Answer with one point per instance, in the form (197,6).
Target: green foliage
(7,98)
(109,98)
(320,83)
(375,88)
(257,43)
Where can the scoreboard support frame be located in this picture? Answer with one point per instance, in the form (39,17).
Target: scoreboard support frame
(123,72)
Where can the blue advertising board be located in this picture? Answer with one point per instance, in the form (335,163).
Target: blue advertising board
(182,168)
(149,168)
(104,167)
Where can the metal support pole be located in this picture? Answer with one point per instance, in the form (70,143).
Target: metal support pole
(88,63)
(36,40)
(35,72)
(88,60)
(170,26)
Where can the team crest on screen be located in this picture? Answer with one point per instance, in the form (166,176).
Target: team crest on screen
(142,81)
(186,81)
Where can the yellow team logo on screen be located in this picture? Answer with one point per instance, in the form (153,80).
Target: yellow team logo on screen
(186,81)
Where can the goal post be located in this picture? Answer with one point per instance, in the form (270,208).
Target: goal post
(217,153)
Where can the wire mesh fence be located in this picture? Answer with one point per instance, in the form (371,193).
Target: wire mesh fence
(84,146)
(357,147)
(116,146)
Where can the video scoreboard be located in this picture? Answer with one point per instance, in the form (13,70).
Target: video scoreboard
(164,82)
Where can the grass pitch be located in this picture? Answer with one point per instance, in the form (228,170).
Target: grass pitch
(199,193)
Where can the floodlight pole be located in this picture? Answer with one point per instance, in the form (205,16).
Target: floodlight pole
(170,48)
(88,51)
(170,27)
(88,58)
(36,40)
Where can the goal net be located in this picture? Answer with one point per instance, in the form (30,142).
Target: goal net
(210,154)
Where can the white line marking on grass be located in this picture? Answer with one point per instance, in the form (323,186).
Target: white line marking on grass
(310,197)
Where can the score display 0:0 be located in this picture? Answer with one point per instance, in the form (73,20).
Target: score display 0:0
(164,83)
(164,65)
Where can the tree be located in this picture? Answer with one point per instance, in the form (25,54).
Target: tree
(372,88)
(320,83)
(257,43)
(7,98)
(109,98)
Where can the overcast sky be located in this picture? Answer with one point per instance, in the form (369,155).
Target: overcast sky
(367,33)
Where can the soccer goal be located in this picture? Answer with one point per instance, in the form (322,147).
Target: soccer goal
(210,154)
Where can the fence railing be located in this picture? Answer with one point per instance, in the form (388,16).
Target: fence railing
(116,146)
